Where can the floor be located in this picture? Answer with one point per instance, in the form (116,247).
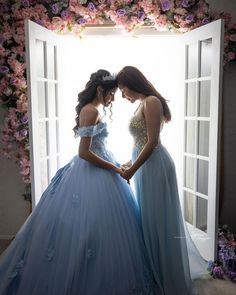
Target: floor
(205,287)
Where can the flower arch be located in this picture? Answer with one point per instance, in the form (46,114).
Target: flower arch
(72,16)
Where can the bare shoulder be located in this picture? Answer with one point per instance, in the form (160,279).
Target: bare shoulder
(152,101)
(89,115)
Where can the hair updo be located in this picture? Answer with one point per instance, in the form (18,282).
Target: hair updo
(101,78)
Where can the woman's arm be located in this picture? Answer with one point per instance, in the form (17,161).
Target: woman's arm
(89,116)
(152,110)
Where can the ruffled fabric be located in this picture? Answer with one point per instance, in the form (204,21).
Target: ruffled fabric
(87,131)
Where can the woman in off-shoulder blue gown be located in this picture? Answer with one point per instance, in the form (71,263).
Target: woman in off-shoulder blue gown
(83,237)
(174,259)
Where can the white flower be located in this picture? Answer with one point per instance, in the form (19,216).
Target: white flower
(82,1)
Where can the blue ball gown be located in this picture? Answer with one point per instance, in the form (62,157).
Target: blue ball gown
(84,236)
(174,259)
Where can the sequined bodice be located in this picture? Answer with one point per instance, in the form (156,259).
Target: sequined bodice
(138,130)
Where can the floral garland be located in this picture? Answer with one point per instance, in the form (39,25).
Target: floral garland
(72,16)
(226,262)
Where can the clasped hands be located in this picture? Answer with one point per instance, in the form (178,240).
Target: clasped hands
(126,171)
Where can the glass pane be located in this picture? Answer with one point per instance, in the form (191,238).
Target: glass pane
(58,162)
(42,107)
(188,207)
(51,63)
(204,98)
(51,98)
(44,175)
(43,136)
(206,57)
(203,138)
(190,136)
(189,172)
(57,136)
(202,177)
(40,57)
(56,100)
(53,138)
(201,214)
(190,99)
(192,61)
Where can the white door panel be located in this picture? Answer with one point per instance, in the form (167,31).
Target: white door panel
(201,113)
(43,80)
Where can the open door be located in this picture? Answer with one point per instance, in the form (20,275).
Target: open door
(43,80)
(203,48)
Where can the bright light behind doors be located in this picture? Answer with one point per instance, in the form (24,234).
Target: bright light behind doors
(156,56)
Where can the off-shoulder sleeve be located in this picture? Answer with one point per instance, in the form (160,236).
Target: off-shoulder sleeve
(90,131)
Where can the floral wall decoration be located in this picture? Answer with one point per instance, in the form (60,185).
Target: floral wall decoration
(225,265)
(72,16)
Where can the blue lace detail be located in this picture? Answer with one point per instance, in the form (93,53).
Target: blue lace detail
(99,134)
(92,130)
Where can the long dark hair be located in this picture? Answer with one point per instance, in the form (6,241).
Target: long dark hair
(100,78)
(132,78)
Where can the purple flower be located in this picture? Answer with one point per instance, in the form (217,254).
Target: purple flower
(121,12)
(23,132)
(4,8)
(1,39)
(232,275)
(25,3)
(189,18)
(165,5)
(91,6)
(39,22)
(218,272)
(4,70)
(24,120)
(55,8)
(141,15)
(13,81)
(205,21)
(81,20)
(64,13)
(186,3)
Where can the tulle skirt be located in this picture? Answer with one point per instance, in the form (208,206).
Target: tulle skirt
(174,259)
(83,238)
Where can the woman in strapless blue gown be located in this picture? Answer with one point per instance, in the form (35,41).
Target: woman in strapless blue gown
(83,237)
(172,254)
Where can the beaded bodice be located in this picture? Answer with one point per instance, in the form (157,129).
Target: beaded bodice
(138,130)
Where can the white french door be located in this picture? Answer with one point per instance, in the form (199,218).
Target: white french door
(201,134)
(51,59)
(43,82)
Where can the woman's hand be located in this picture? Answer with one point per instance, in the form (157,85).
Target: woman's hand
(117,170)
(126,165)
(127,173)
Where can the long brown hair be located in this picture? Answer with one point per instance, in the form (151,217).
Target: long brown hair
(132,78)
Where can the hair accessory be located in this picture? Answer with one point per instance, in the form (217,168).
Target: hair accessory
(111,77)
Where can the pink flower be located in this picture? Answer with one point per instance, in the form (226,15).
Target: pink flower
(25,171)
(232,37)
(231,55)
(234,26)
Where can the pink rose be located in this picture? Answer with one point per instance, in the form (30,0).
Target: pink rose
(231,55)
(232,37)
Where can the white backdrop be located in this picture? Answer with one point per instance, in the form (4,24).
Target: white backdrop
(156,56)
